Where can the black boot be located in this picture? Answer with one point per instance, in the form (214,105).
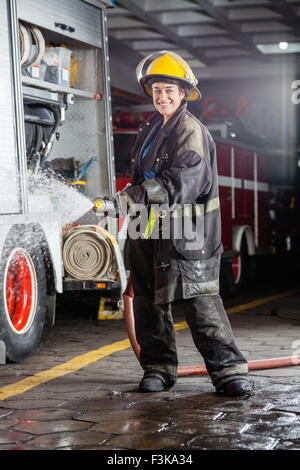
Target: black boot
(236,388)
(151,383)
(156,381)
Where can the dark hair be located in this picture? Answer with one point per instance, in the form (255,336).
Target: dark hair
(172,81)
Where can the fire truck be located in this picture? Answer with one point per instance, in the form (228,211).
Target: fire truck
(56,154)
(258,216)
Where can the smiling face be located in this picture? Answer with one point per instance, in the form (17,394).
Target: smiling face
(167,98)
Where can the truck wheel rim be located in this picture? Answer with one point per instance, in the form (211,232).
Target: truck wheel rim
(20,291)
(236,269)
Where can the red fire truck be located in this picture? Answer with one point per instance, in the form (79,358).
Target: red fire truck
(257,217)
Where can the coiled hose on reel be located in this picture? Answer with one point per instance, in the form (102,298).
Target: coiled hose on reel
(29,36)
(87,253)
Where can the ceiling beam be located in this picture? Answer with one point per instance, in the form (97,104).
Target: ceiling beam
(168,32)
(233,30)
(289,15)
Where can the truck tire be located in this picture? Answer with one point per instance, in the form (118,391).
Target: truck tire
(23,296)
(237,272)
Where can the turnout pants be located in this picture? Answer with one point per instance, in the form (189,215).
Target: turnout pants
(205,316)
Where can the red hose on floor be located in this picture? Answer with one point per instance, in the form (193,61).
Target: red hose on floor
(194,370)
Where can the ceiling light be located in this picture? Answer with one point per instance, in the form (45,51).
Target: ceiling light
(280,48)
(283,45)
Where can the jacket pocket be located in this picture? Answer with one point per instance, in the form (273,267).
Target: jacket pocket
(200,277)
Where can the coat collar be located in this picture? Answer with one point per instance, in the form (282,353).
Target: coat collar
(171,123)
(148,162)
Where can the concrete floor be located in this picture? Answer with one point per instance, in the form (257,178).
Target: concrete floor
(98,406)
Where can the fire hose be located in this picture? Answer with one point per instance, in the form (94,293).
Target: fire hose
(30,35)
(87,253)
(184,371)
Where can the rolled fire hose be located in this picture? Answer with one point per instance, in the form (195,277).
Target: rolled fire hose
(87,253)
(25,43)
(30,35)
(185,371)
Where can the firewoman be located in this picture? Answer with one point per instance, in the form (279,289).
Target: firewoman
(174,166)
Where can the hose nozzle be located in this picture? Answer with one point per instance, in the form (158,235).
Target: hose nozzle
(103,205)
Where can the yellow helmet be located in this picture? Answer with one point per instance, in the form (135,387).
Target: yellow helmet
(167,64)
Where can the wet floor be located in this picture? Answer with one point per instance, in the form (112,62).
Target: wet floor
(98,406)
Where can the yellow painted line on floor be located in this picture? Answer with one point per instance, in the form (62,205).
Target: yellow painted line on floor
(65,368)
(248,306)
(92,356)
(257,302)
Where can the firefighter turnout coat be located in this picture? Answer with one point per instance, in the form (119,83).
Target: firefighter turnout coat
(183,157)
